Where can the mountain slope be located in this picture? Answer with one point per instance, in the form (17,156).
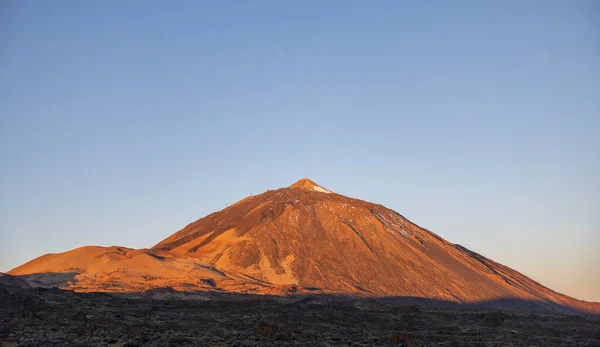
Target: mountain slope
(304,238)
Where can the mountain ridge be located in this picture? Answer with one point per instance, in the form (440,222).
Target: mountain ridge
(302,238)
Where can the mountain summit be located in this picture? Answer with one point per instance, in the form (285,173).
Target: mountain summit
(306,183)
(303,238)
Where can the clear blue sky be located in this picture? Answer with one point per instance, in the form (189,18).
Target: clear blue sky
(122,121)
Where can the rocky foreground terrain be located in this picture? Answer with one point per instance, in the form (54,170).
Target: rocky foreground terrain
(54,317)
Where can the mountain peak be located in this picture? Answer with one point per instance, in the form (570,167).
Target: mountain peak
(306,183)
(297,240)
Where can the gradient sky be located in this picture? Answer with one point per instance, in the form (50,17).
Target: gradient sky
(122,121)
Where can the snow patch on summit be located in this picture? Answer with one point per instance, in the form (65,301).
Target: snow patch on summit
(320,189)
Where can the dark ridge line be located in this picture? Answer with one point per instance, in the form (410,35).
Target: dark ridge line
(357,234)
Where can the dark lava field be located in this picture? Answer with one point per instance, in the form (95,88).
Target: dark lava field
(53,317)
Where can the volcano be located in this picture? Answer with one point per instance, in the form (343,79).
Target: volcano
(300,239)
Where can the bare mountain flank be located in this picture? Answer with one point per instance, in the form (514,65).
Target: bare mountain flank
(303,238)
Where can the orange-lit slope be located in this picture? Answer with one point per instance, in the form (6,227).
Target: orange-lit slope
(311,237)
(118,269)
